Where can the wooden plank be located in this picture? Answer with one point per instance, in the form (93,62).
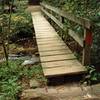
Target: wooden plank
(57,58)
(42,22)
(56,71)
(46,33)
(45,36)
(53,48)
(51,45)
(49,42)
(82,21)
(48,39)
(56,52)
(55,40)
(66,63)
(42,37)
(42,28)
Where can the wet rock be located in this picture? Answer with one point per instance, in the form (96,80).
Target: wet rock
(35,58)
(28,62)
(32,61)
(34,83)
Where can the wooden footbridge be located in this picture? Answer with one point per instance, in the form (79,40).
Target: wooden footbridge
(56,57)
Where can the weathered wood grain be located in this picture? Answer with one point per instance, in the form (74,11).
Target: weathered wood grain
(56,58)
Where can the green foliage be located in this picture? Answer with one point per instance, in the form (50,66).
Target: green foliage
(10,89)
(14,25)
(19,22)
(84,8)
(36,72)
(10,76)
(92,76)
(21,25)
(21,5)
(96,45)
(4,20)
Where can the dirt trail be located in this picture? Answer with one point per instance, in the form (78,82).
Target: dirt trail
(33,8)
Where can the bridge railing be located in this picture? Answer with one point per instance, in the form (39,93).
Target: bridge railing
(85,42)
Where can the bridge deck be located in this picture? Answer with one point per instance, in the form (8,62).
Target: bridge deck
(56,58)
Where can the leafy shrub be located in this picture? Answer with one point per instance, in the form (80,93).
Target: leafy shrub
(12,74)
(9,76)
(92,76)
(21,25)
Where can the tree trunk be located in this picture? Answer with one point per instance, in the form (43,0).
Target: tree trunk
(5,51)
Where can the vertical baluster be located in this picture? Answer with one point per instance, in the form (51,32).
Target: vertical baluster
(62,21)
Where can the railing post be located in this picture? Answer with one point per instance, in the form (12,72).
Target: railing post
(61,19)
(50,18)
(86,59)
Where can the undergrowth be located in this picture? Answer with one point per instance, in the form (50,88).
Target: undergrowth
(92,76)
(10,76)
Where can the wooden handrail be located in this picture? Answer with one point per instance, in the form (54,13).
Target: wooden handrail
(84,41)
(82,21)
(54,19)
(71,32)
